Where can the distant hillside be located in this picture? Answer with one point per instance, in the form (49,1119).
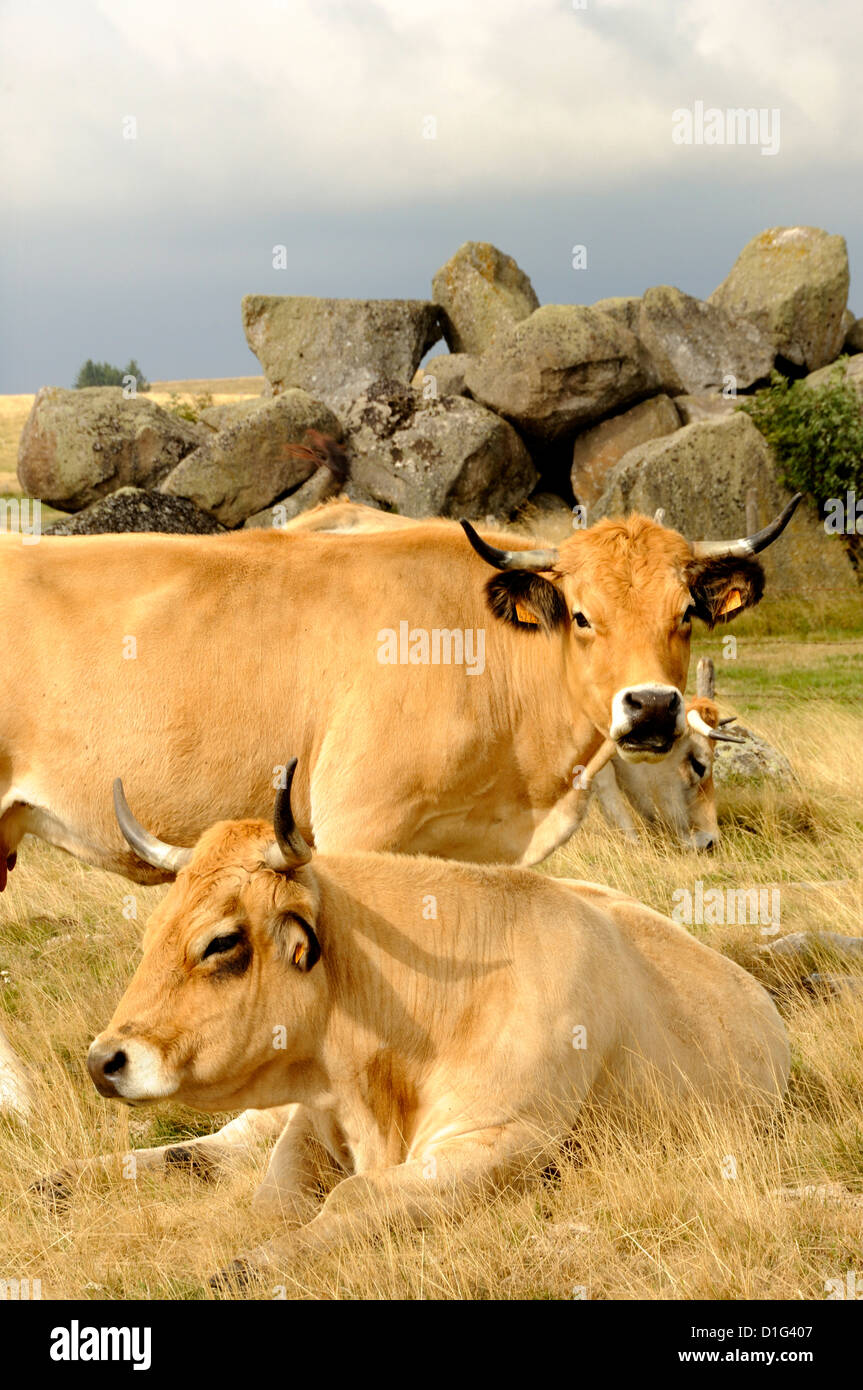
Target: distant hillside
(219,386)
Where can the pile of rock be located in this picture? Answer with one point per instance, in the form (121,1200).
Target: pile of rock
(639,393)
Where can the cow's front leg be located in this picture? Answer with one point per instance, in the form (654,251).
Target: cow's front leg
(448,1177)
(299,1170)
(613,804)
(205,1156)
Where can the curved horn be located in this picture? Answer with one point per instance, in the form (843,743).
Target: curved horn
(659,516)
(290,849)
(533,560)
(155,852)
(748,545)
(701,726)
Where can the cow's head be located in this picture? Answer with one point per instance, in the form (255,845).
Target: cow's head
(624,595)
(227,994)
(699,825)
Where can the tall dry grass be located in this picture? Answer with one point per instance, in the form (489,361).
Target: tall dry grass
(648,1210)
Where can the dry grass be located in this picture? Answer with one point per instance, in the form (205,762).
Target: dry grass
(226,388)
(13,413)
(639,1213)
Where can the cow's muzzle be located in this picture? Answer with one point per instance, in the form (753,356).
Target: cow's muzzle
(106,1062)
(129,1069)
(646,721)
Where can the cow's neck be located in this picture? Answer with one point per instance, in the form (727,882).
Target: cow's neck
(511,794)
(410,958)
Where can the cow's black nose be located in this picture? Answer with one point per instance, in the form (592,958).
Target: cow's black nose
(647,719)
(652,702)
(105,1061)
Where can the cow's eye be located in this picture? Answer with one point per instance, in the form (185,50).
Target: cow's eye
(698,767)
(580,620)
(220,945)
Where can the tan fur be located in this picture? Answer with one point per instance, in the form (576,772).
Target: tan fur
(669,793)
(339,515)
(252,645)
(431,1058)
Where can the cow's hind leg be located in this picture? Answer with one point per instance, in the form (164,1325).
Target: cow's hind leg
(448,1178)
(12,829)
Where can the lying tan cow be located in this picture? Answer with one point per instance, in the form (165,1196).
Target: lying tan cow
(16,1093)
(341,517)
(437,1026)
(679,792)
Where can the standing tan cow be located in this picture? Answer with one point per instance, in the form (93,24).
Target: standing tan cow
(430,1060)
(676,792)
(443,695)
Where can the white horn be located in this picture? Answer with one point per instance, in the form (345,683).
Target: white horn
(153,851)
(701,726)
(748,545)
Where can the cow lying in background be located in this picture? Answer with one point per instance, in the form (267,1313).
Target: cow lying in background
(678,792)
(339,516)
(434,1026)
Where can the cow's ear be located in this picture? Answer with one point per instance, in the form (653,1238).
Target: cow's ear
(707,708)
(297,942)
(527,601)
(725,587)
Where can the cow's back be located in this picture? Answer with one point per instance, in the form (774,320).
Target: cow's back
(691,1012)
(194,667)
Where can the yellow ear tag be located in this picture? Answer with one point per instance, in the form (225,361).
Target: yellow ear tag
(732,603)
(299,952)
(525,616)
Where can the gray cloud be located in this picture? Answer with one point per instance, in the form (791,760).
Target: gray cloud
(303,124)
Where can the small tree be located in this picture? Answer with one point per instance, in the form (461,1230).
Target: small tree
(134,370)
(815,433)
(103,374)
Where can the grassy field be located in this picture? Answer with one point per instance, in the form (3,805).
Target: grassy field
(648,1213)
(225,387)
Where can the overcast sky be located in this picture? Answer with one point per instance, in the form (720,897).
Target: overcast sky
(305,123)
